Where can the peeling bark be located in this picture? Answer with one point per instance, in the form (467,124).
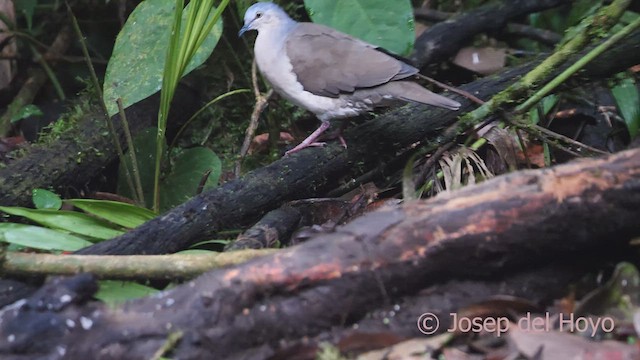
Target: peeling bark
(506,224)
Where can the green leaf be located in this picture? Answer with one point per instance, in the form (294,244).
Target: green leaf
(116,292)
(628,17)
(37,237)
(25,112)
(187,172)
(388,24)
(136,66)
(547,104)
(71,221)
(45,199)
(183,180)
(119,213)
(628,100)
(581,9)
(211,242)
(27,8)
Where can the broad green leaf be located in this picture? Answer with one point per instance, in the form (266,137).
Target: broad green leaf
(135,69)
(388,24)
(188,169)
(45,199)
(71,221)
(37,237)
(116,292)
(119,213)
(25,112)
(628,100)
(183,180)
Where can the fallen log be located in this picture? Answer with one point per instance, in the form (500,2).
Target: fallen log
(512,222)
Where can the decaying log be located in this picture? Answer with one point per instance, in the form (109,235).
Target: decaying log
(513,222)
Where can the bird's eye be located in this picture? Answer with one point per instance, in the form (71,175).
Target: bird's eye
(258,15)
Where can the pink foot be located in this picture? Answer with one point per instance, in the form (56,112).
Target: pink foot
(342,140)
(311,139)
(304,146)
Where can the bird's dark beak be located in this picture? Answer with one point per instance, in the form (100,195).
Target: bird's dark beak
(244,29)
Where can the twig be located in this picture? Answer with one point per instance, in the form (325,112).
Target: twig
(452,89)
(422,177)
(544,36)
(261,104)
(523,147)
(170,344)
(546,134)
(137,192)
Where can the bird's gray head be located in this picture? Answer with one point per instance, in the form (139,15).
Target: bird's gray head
(264,15)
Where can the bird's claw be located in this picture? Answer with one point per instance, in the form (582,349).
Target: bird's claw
(304,146)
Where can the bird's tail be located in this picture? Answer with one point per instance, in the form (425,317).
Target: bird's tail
(410,91)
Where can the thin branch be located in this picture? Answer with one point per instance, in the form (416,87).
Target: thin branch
(168,267)
(575,148)
(261,104)
(452,89)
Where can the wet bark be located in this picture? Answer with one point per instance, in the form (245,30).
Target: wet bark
(511,223)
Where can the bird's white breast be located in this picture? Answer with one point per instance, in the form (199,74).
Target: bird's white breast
(274,64)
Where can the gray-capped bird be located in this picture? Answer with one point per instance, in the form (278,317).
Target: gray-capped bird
(327,72)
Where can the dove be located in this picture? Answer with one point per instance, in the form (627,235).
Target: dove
(327,72)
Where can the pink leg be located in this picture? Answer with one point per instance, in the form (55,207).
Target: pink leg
(311,139)
(342,141)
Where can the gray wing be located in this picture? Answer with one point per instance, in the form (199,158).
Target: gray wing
(328,62)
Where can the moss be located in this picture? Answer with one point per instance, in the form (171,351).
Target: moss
(65,123)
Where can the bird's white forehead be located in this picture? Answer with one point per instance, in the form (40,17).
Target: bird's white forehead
(263,7)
